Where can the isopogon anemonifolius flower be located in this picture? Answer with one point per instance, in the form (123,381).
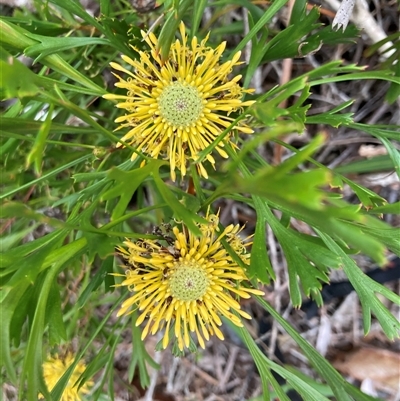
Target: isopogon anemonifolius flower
(175,108)
(55,367)
(186,283)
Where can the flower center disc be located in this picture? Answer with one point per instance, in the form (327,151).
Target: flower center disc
(188,283)
(181,105)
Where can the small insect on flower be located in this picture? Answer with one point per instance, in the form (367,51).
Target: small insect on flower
(187,286)
(55,367)
(177,107)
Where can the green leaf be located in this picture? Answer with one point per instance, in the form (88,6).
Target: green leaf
(290,42)
(263,108)
(394,91)
(198,12)
(123,34)
(260,265)
(38,27)
(329,36)
(353,234)
(25,269)
(16,80)
(332,117)
(300,156)
(126,183)
(368,198)
(366,289)
(316,384)
(96,280)
(191,202)
(180,211)
(8,242)
(297,111)
(302,386)
(98,244)
(281,128)
(264,365)
(298,11)
(8,305)
(276,184)
(171,25)
(358,395)
(259,359)
(386,209)
(105,7)
(374,48)
(393,153)
(17,38)
(47,175)
(385,75)
(260,24)
(385,131)
(258,50)
(336,382)
(141,356)
(383,233)
(15,255)
(300,188)
(102,360)
(33,356)
(26,127)
(378,163)
(48,45)
(36,154)
(58,389)
(299,250)
(54,316)
(299,267)
(15,209)
(75,7)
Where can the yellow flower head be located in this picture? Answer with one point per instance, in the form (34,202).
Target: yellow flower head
(186,283)
(177,107)
(55,367)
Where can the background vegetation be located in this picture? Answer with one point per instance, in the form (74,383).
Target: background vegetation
(69,197)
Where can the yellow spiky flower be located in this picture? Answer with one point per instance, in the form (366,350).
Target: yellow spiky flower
(187,283)
(176,107)
(55,367)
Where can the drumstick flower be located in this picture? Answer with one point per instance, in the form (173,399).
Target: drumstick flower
(177,107)
(55,367)
(186,283)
